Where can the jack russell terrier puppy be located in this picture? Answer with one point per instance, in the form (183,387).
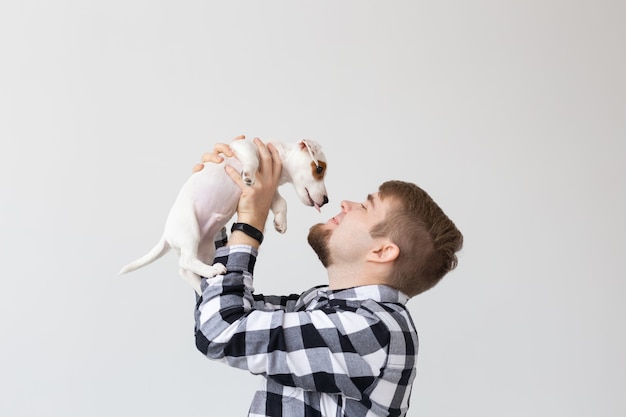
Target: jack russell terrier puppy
(209,198)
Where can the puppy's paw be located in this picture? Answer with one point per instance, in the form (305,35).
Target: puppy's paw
(219,268)
(281,227)
(210,271)
(280,220)
(248,178)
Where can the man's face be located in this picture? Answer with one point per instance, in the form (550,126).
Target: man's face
(346,237)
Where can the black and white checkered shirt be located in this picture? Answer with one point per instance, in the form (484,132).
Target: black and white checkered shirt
(349,352)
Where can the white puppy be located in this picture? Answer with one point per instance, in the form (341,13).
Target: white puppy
(208,200)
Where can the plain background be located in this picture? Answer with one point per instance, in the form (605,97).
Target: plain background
(511,114)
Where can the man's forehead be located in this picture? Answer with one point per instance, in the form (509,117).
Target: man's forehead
(376,200)
(384,201)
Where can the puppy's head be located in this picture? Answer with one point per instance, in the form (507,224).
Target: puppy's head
(306,168)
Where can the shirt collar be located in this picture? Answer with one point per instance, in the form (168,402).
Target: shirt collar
(379,293)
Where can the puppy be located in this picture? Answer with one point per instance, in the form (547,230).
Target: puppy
(209,198)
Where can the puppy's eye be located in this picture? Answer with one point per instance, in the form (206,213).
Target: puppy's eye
(320,169)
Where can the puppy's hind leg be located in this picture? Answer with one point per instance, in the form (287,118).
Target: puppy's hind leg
(189,261)
(192,279)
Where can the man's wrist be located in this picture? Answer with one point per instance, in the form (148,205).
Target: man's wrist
(248,230)
(239,237)
(255,222)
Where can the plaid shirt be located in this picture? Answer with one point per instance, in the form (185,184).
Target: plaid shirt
(348,352)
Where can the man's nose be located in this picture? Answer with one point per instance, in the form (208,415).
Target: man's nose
(347,205)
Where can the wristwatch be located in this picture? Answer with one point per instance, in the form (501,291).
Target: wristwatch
(251,231)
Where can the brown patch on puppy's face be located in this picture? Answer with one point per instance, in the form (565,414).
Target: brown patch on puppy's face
(318,171)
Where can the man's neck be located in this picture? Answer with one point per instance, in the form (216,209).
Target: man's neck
(348,276)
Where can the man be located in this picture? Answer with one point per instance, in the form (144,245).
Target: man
(348,348)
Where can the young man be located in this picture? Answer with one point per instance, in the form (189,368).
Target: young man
(346,349)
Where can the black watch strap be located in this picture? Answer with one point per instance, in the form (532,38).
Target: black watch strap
(251,231)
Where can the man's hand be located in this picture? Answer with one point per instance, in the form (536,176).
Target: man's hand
(216,156)
(255,201)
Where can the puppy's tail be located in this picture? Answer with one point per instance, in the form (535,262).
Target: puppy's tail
(155,253)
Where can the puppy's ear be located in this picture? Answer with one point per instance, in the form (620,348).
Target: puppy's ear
(306,144)
(312,146)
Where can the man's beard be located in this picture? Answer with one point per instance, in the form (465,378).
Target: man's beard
(318,239)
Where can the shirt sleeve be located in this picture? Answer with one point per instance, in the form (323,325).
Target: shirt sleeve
(268,302)
(340,348)
(276,302)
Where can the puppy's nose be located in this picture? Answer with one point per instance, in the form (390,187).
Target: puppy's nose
(325,199)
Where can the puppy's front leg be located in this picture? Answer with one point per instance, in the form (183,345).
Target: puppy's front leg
(279,208)
(246,153)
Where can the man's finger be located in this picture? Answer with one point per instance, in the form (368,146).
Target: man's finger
(236,176)
(277,163)
(212,157)
(264,155)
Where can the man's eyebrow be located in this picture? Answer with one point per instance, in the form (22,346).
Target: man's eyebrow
(370,198)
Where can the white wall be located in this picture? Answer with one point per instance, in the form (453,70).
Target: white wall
(511,114)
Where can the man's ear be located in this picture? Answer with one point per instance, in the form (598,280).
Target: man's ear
(385,251)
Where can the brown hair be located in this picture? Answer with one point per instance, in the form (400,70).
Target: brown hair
(427,238)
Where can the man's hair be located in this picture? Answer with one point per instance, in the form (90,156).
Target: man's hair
(428,240)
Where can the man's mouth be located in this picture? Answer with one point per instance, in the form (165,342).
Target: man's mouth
(334,220)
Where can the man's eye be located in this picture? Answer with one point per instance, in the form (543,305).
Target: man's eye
(363,207)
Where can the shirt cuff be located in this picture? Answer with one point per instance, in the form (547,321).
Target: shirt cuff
(221,238)
(237,258)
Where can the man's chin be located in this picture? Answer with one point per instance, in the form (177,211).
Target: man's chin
(319,235)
